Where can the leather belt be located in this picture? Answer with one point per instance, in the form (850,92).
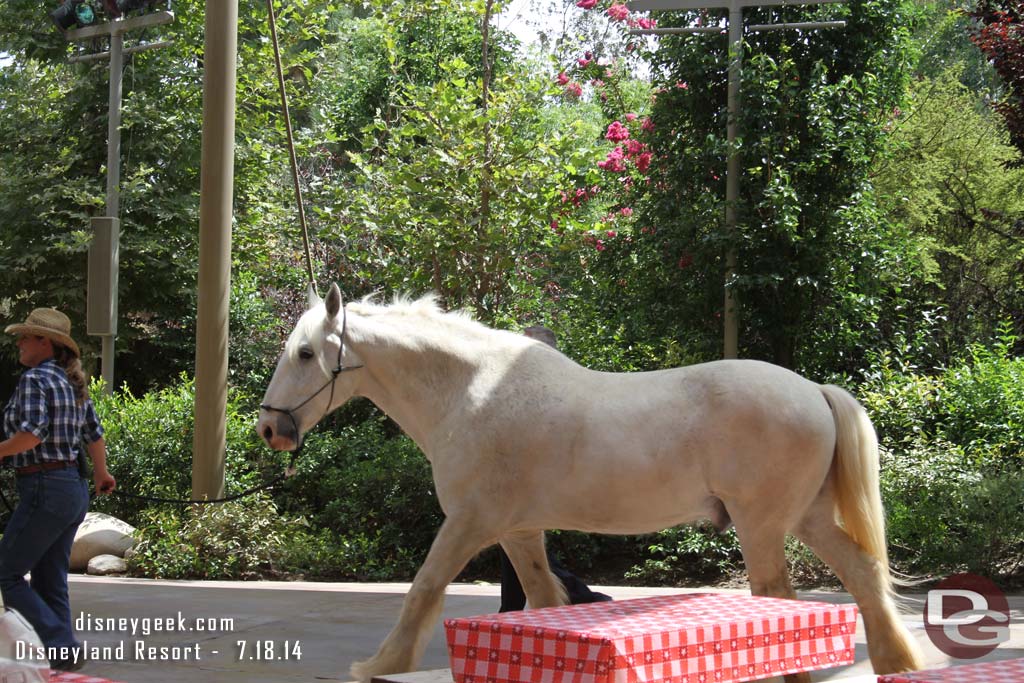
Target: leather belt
(42,467)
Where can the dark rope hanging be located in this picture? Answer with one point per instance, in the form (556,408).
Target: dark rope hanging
(291,142)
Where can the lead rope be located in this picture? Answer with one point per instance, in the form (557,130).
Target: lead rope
(291,142)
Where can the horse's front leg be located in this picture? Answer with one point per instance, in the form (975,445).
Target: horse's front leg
(455,544)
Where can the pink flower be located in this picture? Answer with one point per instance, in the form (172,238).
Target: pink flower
(682,85)
(613,162)
(631,116)
(573,89)
(626,211)
(586,4)
(599,245)
(618,12)
(643,162)
(647,125)
(554,225)
(617,132)
(634,147)
(597,83)
(611,233)
(562,78)
(646,23)
(583,62)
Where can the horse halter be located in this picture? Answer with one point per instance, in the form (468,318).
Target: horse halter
(335,373)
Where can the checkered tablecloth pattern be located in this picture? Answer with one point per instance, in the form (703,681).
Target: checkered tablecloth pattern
(70,677)
(1004,671)
(697,638)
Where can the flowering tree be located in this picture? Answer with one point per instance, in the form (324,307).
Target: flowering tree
(999,34)
(814,114)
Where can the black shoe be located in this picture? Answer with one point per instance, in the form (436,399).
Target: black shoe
(67,664)
(591,596)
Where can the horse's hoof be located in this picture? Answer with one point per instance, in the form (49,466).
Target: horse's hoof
(361,672)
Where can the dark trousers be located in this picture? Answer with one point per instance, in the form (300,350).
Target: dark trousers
(513,598)
(38,539)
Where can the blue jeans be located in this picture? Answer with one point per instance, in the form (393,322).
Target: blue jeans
(38,539)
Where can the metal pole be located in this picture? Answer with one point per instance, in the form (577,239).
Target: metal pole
(730,318)
(113,197)
(216,190)
(101,301)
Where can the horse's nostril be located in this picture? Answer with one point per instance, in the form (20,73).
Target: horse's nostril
(268,433)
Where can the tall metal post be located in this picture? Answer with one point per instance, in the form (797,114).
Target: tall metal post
(101,302)
(215,212)
(113,200)
(730,318)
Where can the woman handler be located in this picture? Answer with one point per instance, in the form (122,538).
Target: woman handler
(45,423)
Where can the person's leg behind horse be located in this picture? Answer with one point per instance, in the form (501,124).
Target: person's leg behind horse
(526,551)
(513,598)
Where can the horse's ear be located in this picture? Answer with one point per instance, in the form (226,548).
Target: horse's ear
(333,301)
(312,298)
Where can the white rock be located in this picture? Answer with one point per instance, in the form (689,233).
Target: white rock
(100,534)
(101,565)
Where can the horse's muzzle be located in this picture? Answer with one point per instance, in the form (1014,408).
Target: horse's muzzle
(278,430)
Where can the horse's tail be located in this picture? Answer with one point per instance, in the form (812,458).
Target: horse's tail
(858,498)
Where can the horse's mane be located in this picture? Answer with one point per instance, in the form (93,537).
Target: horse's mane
(406,309)
(426,322)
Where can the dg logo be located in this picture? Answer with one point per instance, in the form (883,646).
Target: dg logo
(967,616)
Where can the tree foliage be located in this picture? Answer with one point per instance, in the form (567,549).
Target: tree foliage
(946,181)
(999,34)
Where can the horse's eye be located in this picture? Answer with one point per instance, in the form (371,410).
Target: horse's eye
(305,353)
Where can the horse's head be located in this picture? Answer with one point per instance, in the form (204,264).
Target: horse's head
(311,378)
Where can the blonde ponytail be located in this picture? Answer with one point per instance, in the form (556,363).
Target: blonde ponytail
(73,369)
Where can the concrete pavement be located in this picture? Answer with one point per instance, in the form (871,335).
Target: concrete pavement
(146,631)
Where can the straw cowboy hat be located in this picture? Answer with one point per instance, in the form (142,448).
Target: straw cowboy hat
(49,323)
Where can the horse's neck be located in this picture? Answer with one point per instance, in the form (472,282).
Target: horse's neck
(415,383)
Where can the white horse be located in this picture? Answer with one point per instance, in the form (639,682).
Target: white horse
(522,439)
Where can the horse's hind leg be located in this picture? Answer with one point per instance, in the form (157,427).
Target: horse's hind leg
(455,544)
(764,554)
(891,647)
(526,551)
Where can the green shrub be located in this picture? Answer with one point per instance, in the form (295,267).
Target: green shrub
(945,515)
(952,454)
(150,444)
(235,540)
(685,553)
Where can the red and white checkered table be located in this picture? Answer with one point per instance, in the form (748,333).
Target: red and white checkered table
(1004,671)
(696,638)
(68,677)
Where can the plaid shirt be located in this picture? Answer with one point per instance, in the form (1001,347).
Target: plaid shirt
(44,405)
